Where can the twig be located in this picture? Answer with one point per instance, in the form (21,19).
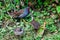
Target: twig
(43,30)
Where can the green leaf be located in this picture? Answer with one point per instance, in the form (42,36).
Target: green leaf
(0,4)
(51,28)
(58,9)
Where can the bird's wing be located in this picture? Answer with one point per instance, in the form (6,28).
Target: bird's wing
(25,12)
(21,11)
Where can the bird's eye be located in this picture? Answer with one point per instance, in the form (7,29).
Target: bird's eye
(20,29)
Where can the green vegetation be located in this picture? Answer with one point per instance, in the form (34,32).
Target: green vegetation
(43,11)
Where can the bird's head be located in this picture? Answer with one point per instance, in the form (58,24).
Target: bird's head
(18,31)
(30,5)
(15,12)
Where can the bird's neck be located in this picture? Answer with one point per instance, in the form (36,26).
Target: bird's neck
(28,9)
